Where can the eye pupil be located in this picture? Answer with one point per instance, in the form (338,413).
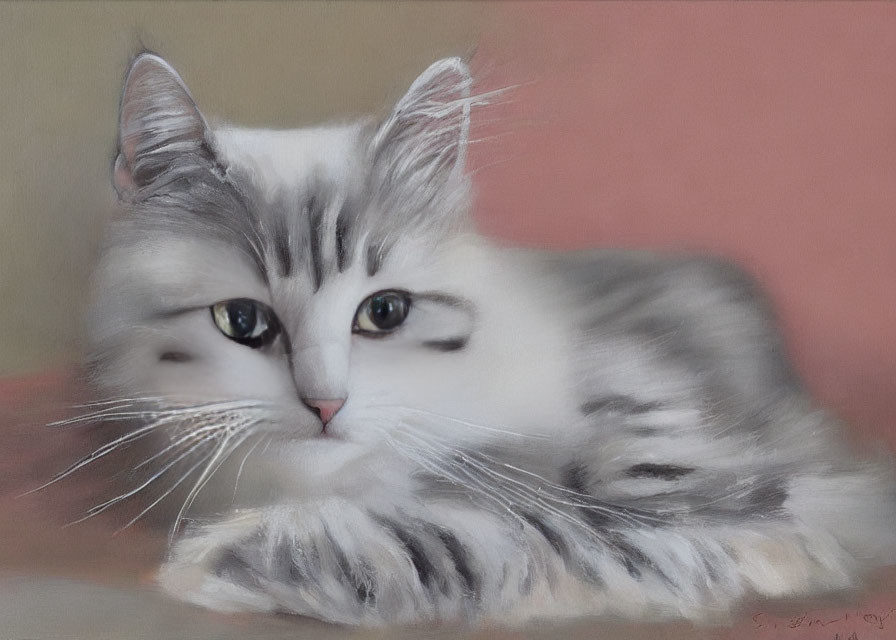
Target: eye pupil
(382,308)
(243,317)
(246,321)
(382,312)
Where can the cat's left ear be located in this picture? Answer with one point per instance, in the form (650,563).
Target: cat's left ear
(158,123)
(423,143)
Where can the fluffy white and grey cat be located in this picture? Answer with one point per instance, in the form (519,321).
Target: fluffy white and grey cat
(432,427)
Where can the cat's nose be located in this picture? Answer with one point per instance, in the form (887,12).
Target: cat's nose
(325,409)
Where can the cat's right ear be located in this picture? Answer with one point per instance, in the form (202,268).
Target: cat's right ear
(158,122)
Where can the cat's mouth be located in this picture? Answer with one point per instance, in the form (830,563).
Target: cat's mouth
(303,434)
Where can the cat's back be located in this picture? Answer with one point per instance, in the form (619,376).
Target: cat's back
(698,317)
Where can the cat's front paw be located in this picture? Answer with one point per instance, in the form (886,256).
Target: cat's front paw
(194,571)
(330,560)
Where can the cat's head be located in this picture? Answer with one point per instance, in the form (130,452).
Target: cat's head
(327,275)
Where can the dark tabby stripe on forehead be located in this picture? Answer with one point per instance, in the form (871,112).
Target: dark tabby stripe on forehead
(314,214)
(282,249)
(341,239)
(316,231)
(374,259)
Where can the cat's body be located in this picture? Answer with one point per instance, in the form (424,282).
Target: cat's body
(539,434)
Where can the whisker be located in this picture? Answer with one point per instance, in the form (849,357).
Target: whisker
(467,423)
(222,452)
(585,501)
(493,490)
(239,472)
(123,400)
(96,510)
(115,413)
(519,493)
(435,468)
(163,496)
(190,435)
(161,418)
(97,454)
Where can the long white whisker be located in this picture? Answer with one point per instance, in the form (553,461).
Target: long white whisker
(239,472)
(163,496)
(192,434)
(520,491)
(97,454)
(586,501)
(113,501)
(217,458)
(473,425)
(115,413)
(433,466)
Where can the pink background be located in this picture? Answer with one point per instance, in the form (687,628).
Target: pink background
(764,132)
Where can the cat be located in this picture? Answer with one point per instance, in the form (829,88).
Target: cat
(429,426)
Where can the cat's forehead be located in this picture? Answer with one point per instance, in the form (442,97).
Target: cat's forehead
(280,160)
(302,188)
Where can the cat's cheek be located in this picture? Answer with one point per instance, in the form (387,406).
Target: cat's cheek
(223,369)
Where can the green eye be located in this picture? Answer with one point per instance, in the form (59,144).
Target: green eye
(246,321)
(382,312)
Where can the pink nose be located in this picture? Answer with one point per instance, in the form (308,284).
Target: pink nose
(325,409)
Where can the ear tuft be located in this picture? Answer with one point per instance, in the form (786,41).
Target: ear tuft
(158,122)
(421,147)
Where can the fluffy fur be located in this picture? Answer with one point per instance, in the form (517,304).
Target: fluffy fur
(546,434)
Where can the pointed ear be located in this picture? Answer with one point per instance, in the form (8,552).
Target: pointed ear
(158,122)
(422,145)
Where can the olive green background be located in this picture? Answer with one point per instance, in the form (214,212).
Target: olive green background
(258,64)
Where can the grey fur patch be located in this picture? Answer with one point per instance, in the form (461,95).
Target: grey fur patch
(232,567)
(286,569)
(528,580)
(279,240)
(341,239)
(315,217)
(462,560)
(658,471)
(769,498)
(447,345)
(374,260)
(575,476)
(619,404)
(631,557)
(558,544)
(200,205)
(175,357)
(426,569)
(364,586)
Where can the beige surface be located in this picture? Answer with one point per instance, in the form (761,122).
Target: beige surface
(61,66)
(52,608)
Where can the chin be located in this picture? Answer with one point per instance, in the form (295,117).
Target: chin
(321,464)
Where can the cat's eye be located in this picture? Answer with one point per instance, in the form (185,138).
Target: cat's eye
(382,312)
(246,321)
